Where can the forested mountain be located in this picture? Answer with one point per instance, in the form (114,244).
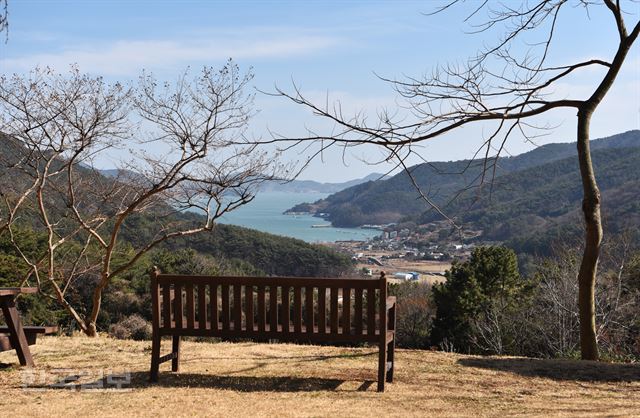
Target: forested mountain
(251,251)
(536,191)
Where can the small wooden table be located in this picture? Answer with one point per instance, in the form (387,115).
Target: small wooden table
(16,332)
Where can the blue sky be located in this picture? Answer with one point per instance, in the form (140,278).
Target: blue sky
(326,47)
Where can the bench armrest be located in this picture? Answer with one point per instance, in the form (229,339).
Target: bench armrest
(391,302)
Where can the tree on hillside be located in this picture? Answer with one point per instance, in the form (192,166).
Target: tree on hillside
(177,141)
(507,87)
(471,295)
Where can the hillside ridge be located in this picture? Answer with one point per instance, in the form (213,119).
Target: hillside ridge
(541,186)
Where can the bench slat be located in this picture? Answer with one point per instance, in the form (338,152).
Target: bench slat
(371,311)
(202,306)
(357,311)
(248,300)
(308,294)
(322,310)
(262,309)
(166,305)
(286,312)
(297,309)
(191,312)
(237,307)
(346,310)
(225,307)
(333,315)
(178,314)
(273,307)
(213,301)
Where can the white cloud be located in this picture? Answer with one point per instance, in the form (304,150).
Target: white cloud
(127,57)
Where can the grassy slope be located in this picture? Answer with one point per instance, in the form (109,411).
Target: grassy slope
(247,379)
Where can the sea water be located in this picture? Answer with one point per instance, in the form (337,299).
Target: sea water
(265,213)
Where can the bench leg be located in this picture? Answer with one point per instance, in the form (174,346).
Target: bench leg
(391,350)
(175,361)
(155,358)
(382,365)
(16,332)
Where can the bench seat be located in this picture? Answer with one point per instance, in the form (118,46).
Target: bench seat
(31,332)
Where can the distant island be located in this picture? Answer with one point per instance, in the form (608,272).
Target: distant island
(310,186)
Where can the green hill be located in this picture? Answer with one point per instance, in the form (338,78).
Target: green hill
(257,251)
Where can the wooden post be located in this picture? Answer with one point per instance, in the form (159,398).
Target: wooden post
(178,317)
(382,355)
(175,361)
(391,345)
(155,322)
(16,332)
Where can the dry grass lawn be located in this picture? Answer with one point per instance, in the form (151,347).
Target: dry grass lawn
(250,379)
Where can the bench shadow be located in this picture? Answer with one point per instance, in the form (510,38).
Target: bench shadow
(6,366)
(240,383)
(232,380)
(140,380)
(574,370)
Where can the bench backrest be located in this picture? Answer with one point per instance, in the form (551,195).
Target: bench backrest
(283,308)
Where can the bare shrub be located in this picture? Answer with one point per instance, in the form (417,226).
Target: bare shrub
(133,327)
(414,314)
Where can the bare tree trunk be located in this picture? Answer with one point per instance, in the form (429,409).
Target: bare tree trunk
(593,239)
(90,322)
(591,199)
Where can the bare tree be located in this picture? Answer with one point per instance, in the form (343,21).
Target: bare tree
(4,17)
(182,159)
(501,87)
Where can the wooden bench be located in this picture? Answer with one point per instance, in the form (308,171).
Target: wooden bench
(303,310)
(14,336)
(30,332)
